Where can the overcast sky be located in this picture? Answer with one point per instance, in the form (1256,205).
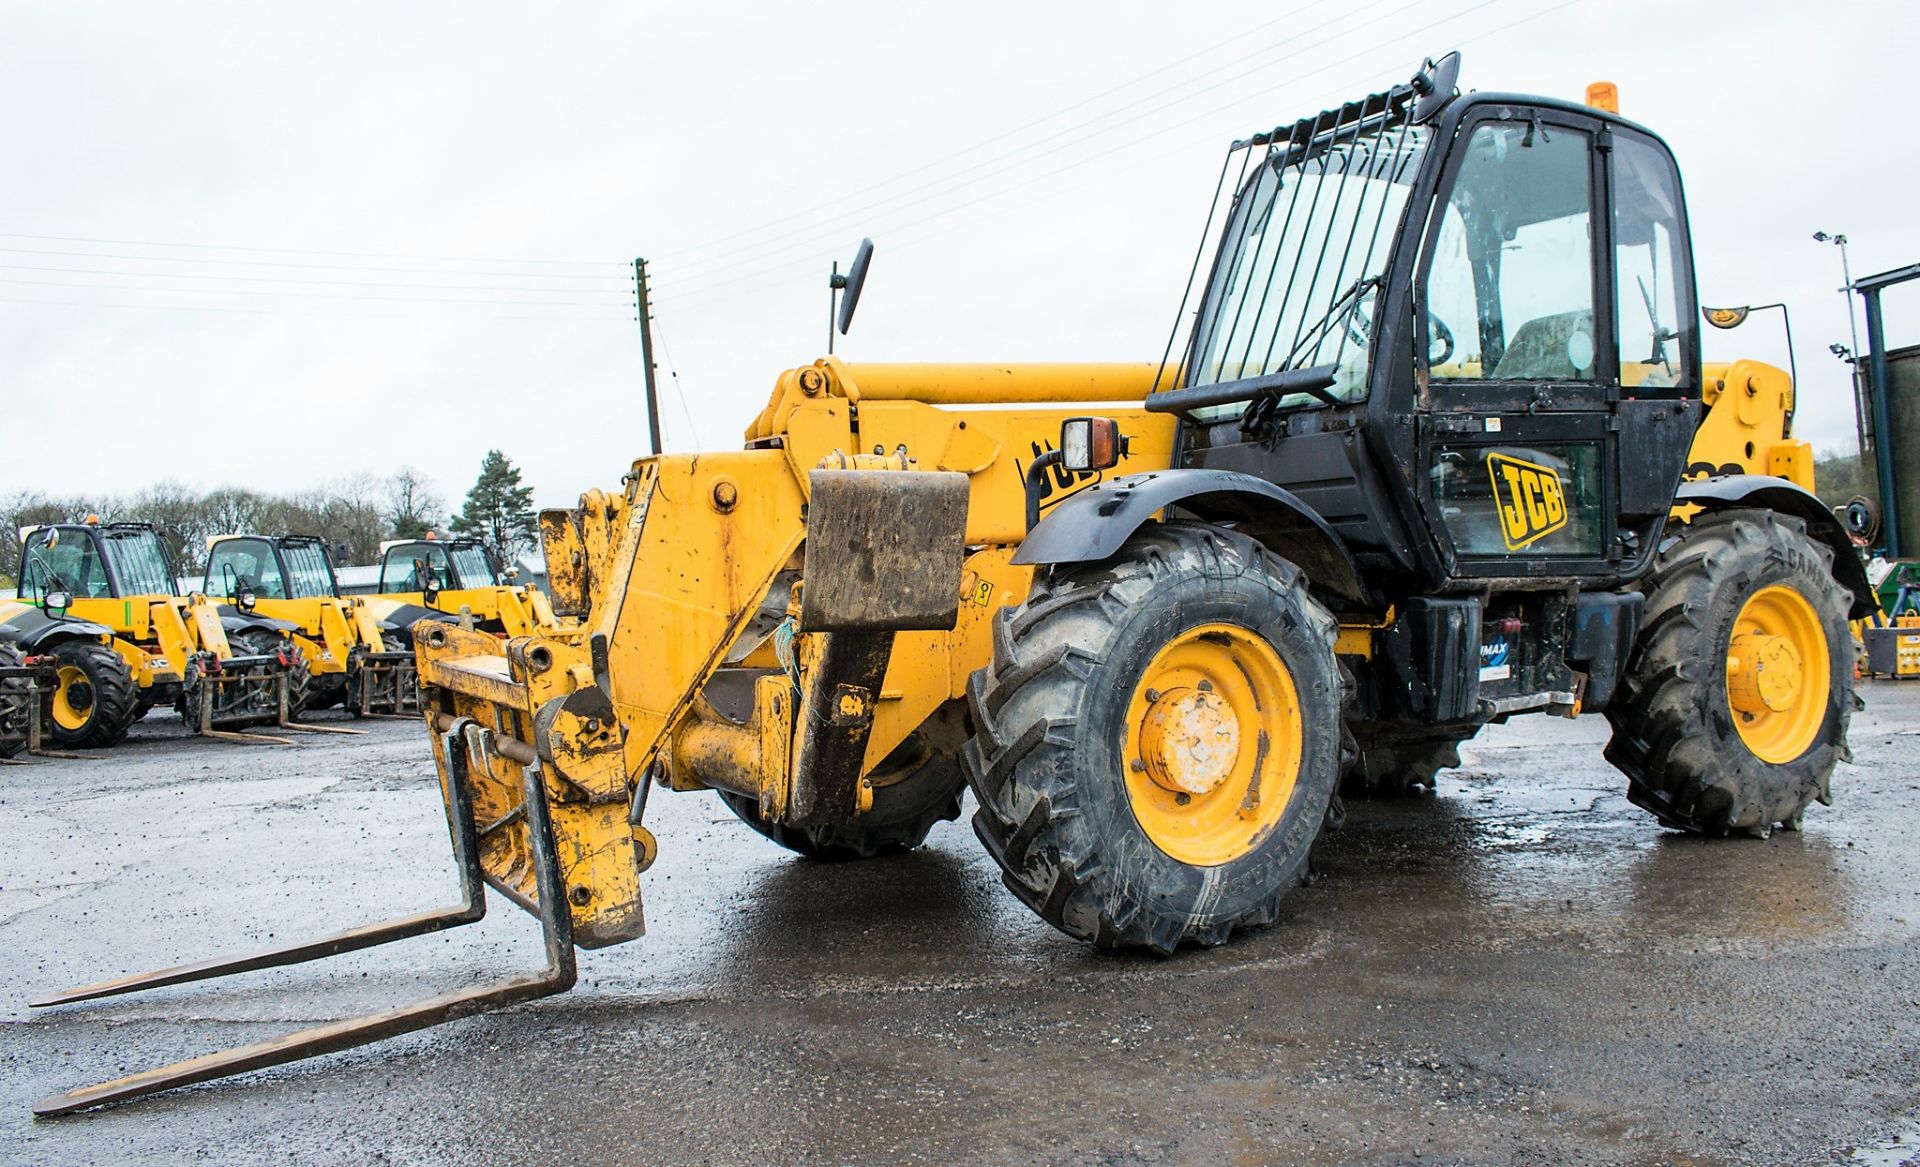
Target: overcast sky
(271,245)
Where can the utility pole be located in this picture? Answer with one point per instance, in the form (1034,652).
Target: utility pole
(645,316)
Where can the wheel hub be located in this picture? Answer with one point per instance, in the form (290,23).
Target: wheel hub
(1763,673)
(72,698)
(1189,740)
(1778,670)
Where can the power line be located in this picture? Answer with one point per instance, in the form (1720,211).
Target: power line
(303,314)
(810,236)
(701,293)
(953,156)
(352,267)
(310,251)
(565,291)
(294,295)
(660,335)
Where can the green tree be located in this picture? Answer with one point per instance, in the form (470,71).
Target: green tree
(499,511)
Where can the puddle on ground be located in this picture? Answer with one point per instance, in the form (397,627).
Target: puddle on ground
(1902,1150)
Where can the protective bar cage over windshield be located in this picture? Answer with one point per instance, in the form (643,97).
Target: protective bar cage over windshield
(1307,237)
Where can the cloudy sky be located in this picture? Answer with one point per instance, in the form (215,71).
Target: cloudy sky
(273,245)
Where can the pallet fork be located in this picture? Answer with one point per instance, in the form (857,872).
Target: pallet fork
(40,680)
(464,741)
(227,720)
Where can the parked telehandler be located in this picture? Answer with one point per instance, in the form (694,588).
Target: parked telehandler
(460,578)
(1439,449)
(221,672)
(358,649)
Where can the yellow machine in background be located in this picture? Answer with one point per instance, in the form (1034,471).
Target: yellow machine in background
(221,672)
(457,578)
(357,659)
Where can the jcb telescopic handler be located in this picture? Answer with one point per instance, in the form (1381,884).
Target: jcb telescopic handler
(221,672)
(358,648)
(1439,449)
(460,578)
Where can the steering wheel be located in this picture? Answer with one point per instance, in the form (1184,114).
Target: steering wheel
(1438,333)
(1360,331)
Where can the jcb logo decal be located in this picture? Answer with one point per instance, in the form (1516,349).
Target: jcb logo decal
(1531,497)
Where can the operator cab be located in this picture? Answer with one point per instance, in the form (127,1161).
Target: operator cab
(1458,328)
(437,565)
(292,567)
(95,561)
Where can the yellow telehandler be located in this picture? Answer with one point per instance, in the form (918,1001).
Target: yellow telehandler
(1438,449)
(222,672)
(459,578)
(359,655)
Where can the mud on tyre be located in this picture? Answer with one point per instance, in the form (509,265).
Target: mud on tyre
(1158,739)
(1735,706)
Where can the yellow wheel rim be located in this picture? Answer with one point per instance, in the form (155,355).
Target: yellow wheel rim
(72,698)
(1213,744)
(1779,674)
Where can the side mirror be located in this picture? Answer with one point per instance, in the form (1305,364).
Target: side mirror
(57,602)
(853,281)
(1089,444)
(245,598)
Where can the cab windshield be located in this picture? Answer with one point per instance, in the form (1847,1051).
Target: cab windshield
(59,559)
(1306,244)
(139,564)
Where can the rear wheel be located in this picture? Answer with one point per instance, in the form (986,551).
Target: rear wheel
(917,785)
(1735,707)
(94,698)
(1158,739)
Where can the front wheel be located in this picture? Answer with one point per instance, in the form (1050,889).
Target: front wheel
(1158,739)
(1735,706)
(266,642)
(93,698)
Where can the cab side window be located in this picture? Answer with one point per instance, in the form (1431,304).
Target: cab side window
(1509,289)
(1653,340)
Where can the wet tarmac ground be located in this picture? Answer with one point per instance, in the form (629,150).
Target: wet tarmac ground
(1523,969)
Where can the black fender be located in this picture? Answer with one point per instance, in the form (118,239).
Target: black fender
(402,619)
(1765,492)
(233,620)
(1091,524)
(32,630)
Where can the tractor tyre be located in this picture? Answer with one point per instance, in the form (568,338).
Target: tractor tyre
(1158,739)
(95,699)
(1395,760)
(1735,705)
(918,785)
(16,708)
(265,642)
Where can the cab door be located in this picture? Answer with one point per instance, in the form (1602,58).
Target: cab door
(1522,407)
